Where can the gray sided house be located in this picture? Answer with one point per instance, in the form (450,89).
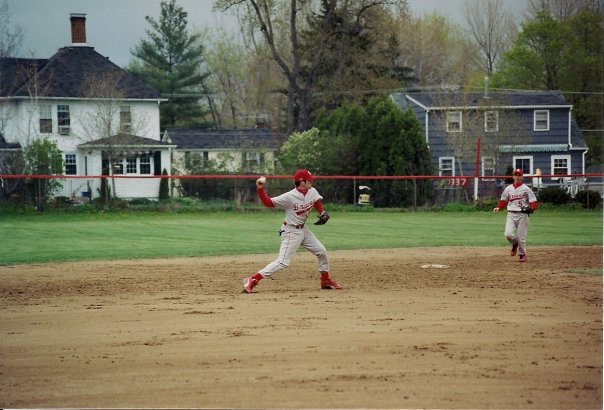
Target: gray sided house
(104,120)
(533,131)
(233,151)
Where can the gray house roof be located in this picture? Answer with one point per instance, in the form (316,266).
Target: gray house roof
(69,73)
(123,141)
(515,99)
(223,139)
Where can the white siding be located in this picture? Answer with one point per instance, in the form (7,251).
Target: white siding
(21,125)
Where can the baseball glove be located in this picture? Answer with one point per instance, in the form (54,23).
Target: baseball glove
(526,210)
(323,218)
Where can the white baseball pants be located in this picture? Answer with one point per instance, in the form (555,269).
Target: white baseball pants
(516,229)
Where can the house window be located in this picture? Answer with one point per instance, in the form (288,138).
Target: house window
(118,168)
(63,119)
(525,164)
(488,167)
(131,165)
(195,159)
(541,120)
(145,164)
(125,119)
(45,119)
(454,121)
(70,164)
(491,121)
(446,166)
(253,158)
(560,165)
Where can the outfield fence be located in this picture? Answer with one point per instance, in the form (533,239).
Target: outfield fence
(379,191)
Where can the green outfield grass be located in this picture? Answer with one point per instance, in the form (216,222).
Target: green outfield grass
(75,237)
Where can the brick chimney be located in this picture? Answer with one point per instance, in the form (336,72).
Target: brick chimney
(78,28)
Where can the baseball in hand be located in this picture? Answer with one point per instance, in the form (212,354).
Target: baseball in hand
(261,181)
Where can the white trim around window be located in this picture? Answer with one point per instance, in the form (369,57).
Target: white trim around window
(525,163)
(541,120)
(454,122)
(491,121)
(71,164)
(446,166)
(560,165)
(138,165)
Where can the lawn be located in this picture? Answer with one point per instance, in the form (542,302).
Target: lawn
(128,235)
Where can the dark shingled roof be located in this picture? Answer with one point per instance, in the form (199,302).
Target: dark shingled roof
(69,74)
(15,71)
(125,141)
(515,98)
(207,139)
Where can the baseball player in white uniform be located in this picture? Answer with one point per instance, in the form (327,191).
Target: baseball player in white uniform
(297,203)
(520,201)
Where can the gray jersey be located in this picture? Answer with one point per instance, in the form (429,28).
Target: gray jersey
(296,205)
(517,197)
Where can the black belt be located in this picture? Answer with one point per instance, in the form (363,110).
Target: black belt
(293,226)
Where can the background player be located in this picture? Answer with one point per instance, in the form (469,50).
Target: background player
(521,202)
(297,203)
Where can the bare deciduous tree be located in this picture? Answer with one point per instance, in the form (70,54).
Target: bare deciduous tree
(437,50)
(561,9)
(103,120)
(491,27)
(283,39)
(10,37)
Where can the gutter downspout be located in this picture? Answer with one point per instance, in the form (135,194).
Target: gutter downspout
(570,111)
(426,127)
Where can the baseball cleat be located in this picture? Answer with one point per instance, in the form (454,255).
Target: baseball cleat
(330,284)
(522,258)
(249,284)
(514,249)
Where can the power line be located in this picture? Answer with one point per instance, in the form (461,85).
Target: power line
(384,91)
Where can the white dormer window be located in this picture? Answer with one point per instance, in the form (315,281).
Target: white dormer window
(541,122)
(454,121)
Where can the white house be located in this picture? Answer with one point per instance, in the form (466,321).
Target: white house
(104,120)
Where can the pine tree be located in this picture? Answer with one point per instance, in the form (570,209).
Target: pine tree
(171,60)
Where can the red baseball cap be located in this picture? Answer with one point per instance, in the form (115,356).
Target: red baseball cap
(518,172)
(303,175)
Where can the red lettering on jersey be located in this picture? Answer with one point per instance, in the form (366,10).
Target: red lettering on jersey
(303,209)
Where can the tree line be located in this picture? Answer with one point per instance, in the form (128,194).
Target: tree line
(293,60)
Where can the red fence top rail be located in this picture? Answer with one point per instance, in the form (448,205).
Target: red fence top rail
(326,177)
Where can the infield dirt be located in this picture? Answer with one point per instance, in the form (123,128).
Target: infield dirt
(486,332)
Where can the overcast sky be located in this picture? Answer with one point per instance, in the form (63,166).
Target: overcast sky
(115,27)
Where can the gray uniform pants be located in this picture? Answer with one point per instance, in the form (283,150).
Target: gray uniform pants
(291,240)
(516,229)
